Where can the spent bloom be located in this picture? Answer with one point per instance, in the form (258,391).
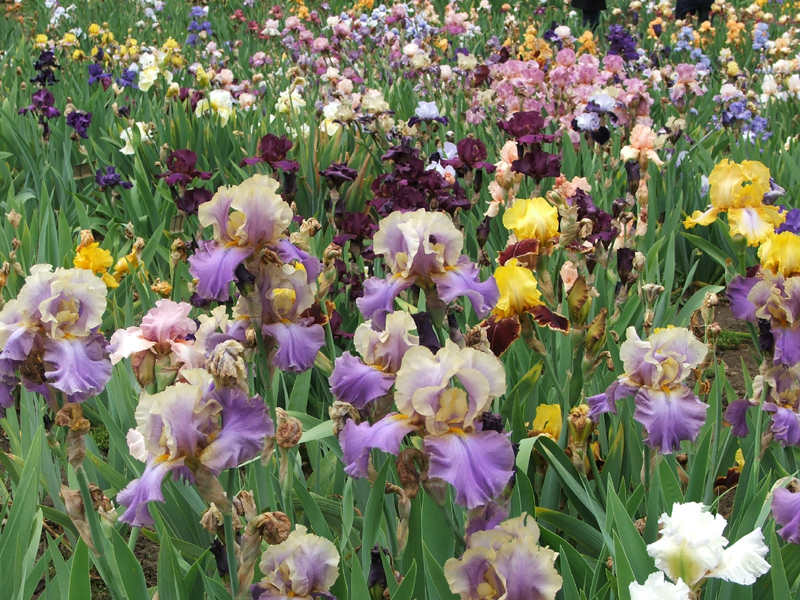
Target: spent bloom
(423,248)
(655,370)
(739,190)
(304,566)
(192,430)
(49,334)
(692,548)
(168,340)
(505,562)
(478,462)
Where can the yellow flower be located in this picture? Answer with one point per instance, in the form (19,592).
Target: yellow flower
(518,289)
(93,258)
(733,69)
(547,422)
(532,218)
(780,253)
(94,29)
(739,189)
(170,44)
(41,40)
(202,77)
(78,55)
(69,39)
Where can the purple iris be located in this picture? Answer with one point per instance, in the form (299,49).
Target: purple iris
(273,151)
(193,431)
(127,79)
(49,333)
(108,178)
(96,73)
(792,222)
(181,169)
(655,371)
(42,103)
(786,510)
(80,121)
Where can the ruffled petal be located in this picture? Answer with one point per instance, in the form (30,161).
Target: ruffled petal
(737,292)
(669,417)
(736,415)
(79,367)
(787,345)
(378,298)
(214,266)
(786,510)
(168,321)
(356,383)
(127,342)
(607,401)
(785,426)
(298,343)
(141,491)
(245,425)
(756,224)
(357,440)
(743,562)
(477,465)
(528,570)
(464,280)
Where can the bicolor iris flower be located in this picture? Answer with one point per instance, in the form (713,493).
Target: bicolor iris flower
(359,381)
(476,462)
(739,190)
(49,334)
(304,566)
(506,563)
(423,248)
(655,370)
(193,431)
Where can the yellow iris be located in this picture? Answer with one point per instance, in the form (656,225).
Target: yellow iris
(93,258)
(780,253)
(548,421)
(532,218)
(739,189)
(518,289)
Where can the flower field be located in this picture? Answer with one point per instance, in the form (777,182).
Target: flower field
(426,300)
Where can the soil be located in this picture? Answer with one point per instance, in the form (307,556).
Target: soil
(734,348)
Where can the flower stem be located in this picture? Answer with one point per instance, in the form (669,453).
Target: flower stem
(229,536)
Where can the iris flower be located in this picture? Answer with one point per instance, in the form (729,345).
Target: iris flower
(304,566)
(246,219)
(477,462)
(739,189)
(423,248)
(782,401)
(506,562)
(532,218)
(786,510)
(358,381)
(249,222)
(692,548)
(49,334)
(655,370)
(193,431)
(775,299)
